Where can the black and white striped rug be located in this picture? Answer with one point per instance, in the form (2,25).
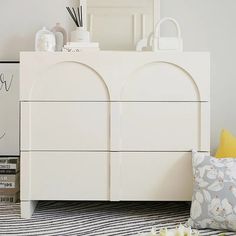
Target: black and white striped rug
(94,218)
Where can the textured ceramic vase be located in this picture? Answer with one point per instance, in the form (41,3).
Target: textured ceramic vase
(45,41)
(80,35)
(61,36)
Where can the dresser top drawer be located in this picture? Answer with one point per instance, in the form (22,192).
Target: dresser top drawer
(114,76)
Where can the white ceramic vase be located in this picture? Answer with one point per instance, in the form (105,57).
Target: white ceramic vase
(45,40)
(60,35)
(80,35)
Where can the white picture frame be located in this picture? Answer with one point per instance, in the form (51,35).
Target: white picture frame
(120,24)
(9,109)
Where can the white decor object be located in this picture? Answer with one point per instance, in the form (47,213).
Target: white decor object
(155,42)
(81,47)
(9,109)
(80,35)
(45,40)
(145,44)
(119,25)
(114,126)
(179,231)
(60,35)
(79,17)
(167,43)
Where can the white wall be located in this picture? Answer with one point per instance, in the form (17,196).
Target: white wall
(21,19)
(207,25)
(210,25)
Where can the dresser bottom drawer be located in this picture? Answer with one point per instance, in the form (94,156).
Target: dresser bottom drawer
(156,176)
(64,176)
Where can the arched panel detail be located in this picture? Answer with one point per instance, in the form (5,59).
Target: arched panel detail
(71,81)
(160,81)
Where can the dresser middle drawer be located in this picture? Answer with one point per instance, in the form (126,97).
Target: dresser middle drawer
(80,126)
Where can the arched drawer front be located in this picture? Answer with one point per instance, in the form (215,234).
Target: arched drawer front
(166,77)
(155,176)
(65,81)
(160,81)
(65,126)
(164,126)
(115,76)
(65,176)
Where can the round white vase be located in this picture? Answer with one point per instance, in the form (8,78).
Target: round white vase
(80,35)
(45,40)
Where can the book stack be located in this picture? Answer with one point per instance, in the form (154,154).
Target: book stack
(9,179)
(81,47)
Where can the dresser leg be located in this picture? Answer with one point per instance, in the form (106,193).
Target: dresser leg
(27,209)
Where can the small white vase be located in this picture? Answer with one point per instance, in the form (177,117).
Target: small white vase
(60,35)
(45,40)
(80,35)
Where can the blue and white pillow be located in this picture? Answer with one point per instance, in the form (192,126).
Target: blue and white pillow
(214,195)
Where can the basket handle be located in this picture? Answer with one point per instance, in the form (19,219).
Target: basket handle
(157,33)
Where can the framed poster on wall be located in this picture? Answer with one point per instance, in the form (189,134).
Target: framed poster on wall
(9,109)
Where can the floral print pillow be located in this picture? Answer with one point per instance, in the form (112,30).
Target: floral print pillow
(214,195)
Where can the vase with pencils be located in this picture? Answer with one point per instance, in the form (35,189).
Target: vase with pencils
(79,18)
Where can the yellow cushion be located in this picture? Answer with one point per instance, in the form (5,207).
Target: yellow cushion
(227,147)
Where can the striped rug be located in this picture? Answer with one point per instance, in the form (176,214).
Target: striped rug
(94,218)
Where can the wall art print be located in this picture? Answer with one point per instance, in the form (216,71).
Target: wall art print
(9,109)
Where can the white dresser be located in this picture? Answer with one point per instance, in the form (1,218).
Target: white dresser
(111,126)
